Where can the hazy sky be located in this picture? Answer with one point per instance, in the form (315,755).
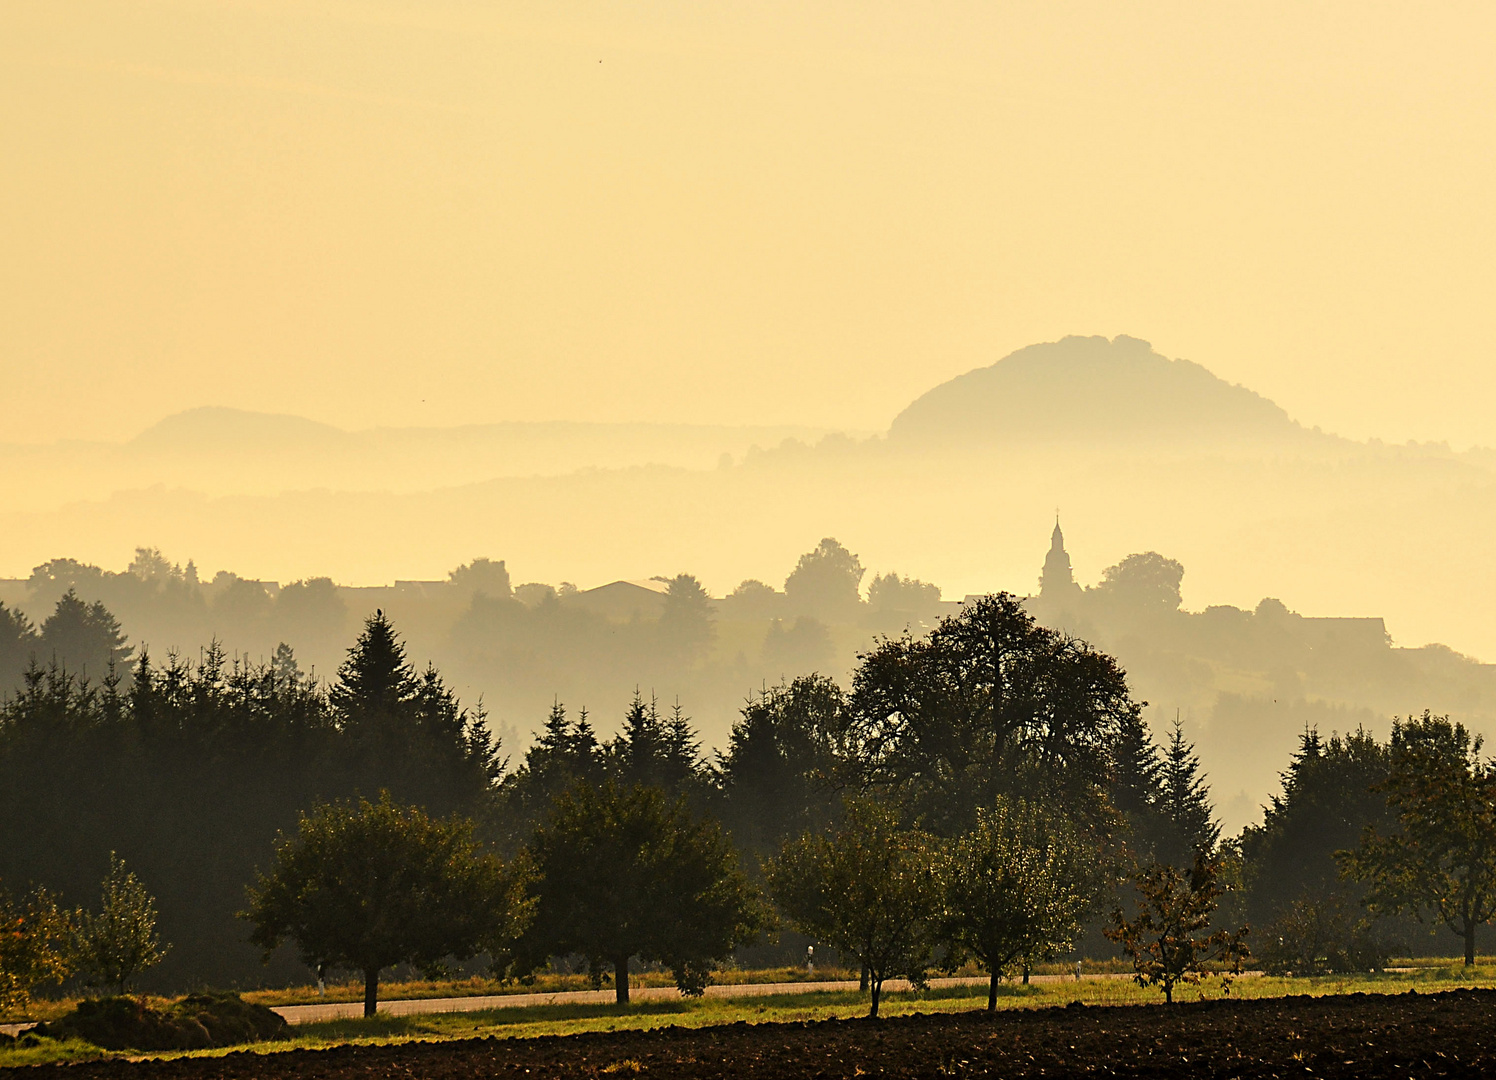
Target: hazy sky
(440,213)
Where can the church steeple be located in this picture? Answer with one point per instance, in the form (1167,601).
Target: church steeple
(1057,580)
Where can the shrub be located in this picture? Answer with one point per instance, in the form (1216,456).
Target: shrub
(1321,936)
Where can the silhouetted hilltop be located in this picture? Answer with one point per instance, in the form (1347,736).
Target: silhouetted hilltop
(223,429)
(1088,388)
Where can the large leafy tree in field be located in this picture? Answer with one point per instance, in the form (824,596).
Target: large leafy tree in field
(870,890)
(364,886)
(1440,859)
(988,704)
(626,872)
(1014,889)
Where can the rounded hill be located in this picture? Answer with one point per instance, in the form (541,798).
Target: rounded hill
(1090,388)
(219,426)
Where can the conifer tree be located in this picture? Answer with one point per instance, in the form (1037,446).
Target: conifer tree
(1185,800)
(409,732)
(376,682)
(17,647)
(655,752)
(84,638)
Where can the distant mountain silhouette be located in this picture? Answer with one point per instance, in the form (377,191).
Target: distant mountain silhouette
(1089,388)
(217,427)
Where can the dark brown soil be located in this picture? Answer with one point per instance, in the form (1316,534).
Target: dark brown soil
(1449,1034)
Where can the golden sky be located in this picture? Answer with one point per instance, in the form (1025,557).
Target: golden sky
(440,213)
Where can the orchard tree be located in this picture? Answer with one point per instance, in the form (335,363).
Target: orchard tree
(364,886)
(870,890)
(1440,859)
(1014,889)
(35,947)
(1169,939)
(119,941)
(624,872)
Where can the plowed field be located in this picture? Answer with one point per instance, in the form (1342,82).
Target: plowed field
(1358,1035)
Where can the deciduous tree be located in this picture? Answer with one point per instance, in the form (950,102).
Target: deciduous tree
(119,941)
(1169,939)
(627,872)
(988,704)
(826,582)
(35,947)
(1014,889)
(364,886)
(1440,859)
(870,890)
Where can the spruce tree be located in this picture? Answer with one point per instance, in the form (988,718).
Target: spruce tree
(84,638)
(1185,801)
(17,647)
(376,682)
(409,733)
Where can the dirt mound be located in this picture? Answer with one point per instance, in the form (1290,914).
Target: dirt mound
(196,1022)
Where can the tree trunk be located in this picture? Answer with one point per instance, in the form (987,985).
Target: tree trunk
(371,991)
(1025,972)
(1469,942)
(621,979)
(862,981)
(1169,993)
(992,992)
(876,986)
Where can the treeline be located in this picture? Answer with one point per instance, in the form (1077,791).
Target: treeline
(190,770)
(521,642)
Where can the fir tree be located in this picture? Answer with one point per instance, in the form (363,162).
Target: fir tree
(84,638)
(1137,788)
(1185,800)
(376,682)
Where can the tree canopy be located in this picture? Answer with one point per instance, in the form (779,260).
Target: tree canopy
(625,872)
(825,582)
(869,889)
(1439,860)
(118,941)
(1014,889)
(990,703)
(364,886)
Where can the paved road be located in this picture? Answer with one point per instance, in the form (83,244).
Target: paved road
(306,1014)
